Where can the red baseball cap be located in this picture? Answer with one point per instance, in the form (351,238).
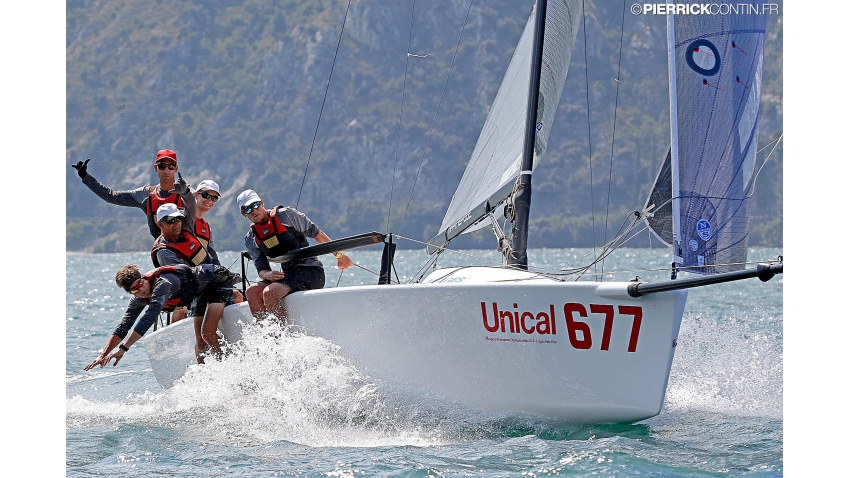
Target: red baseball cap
(166,154)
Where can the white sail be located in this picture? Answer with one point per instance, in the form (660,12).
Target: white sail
(715,86)
(495,161)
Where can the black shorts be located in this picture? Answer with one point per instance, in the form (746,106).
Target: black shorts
(302,277)
(213,295)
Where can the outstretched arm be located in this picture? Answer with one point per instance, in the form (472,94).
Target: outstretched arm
(342,260)
(132,198)
(134,308)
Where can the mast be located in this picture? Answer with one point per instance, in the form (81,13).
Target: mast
(522,201)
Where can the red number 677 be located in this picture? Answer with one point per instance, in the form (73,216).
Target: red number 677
(574,326)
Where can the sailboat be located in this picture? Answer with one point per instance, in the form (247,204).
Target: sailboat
(510,340)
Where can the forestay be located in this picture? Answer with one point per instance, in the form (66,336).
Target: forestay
(715,84)
(495,162)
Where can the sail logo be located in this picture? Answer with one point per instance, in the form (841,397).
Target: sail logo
(457,224)
(544,322)
(704,229)
(702,56)
(693,245)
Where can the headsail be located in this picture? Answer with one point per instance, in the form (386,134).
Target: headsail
(658,211)
(715,83)
(495,162)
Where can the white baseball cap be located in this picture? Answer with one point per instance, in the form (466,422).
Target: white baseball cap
(208,185)
(168,210)
(248,196)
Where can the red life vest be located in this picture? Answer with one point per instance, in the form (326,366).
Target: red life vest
(151,278)
(203,231)
(187,247)
(275,239)
(155,200)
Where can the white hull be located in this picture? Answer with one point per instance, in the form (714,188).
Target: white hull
(435,336)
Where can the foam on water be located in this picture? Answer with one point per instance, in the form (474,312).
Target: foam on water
(280,384)
(728,365)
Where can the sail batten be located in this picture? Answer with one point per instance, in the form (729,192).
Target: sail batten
(495,163)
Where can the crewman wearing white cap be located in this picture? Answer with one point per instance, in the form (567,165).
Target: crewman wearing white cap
(206,195)
(273,233)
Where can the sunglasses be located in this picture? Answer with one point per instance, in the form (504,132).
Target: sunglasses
(209,196)
(135,287)
(170,166)
(250,208)
(172,220)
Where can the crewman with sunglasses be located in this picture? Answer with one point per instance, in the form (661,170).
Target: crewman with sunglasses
(175,244)
(206,195)
(179,246)
(275,232)
(160,289)
(149,198)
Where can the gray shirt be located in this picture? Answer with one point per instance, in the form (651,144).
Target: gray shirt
(293,218)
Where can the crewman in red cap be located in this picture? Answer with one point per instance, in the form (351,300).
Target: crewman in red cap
(149,198)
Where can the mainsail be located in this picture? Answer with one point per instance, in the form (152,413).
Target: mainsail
(715,85)
(495,163)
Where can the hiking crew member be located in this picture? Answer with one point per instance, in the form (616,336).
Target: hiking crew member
(206,195)
(179,246)
(272,234)
(149,198)
(159,290)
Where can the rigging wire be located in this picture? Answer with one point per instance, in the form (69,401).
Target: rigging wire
(615,243)
(401,113)
(327,87)
(589,141)
(575,273)
(614,128)
(436,112)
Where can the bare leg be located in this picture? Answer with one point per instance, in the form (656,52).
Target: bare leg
(272,296)
(254,295)
(200,346)
(209,327)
